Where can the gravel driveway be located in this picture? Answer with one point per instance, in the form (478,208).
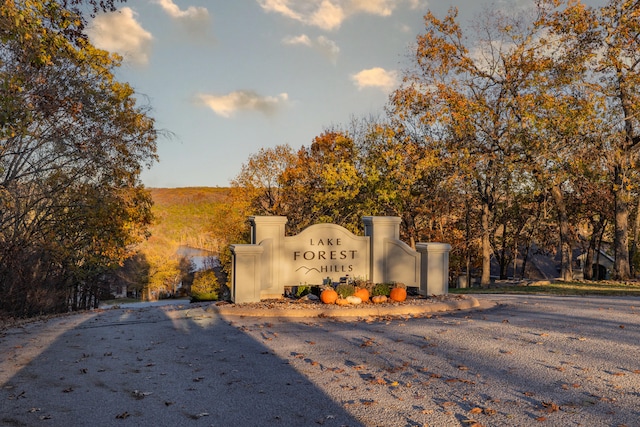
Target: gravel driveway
(523,361)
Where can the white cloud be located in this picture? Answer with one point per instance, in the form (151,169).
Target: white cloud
(120,32)
(242,100)
(376,77)
(330,14)
(191,13)
(195,19)
(374,7)
(294,40)
(418,4)
(281,7)
(327,16)
(327,47)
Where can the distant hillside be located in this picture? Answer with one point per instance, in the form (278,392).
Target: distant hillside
(184,215)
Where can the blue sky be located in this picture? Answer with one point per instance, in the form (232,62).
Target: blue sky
(229,77)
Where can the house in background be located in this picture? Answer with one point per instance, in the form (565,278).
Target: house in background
(602,265)
(119,290)
(541,265)
(200,259)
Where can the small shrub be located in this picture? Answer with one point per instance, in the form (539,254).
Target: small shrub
(381,289)
(363,284)
(205,286)
(345,290)
(202,297)
(302,290)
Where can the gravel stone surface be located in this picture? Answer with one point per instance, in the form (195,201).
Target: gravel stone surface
(513,361)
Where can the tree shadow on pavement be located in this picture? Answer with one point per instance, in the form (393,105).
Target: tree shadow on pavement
(556,360)
(161,366)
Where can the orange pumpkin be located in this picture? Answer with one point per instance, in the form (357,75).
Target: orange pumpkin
(398,294)
(342,301)
(328,296)
(379,299)
(362,293)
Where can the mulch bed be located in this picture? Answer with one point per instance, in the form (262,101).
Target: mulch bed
(303,303)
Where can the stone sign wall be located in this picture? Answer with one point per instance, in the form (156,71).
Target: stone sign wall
(273,261)
(324,250)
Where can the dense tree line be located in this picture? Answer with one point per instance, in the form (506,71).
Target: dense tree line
(521,129)
(73,142)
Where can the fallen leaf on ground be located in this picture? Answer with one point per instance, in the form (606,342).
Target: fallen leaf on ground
(140,394)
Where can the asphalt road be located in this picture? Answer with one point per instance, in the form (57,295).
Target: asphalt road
(525,361)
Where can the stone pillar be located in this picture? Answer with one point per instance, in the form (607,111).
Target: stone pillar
(268,231)
(267,227)
(379,229)
(246,273)
(434,272)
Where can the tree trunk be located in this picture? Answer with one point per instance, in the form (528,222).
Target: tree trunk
(504,262)
(410,225)
(599,251)
(515,257)
(634,244)
(525,257)
(467,242)
(486,246)
(566,272)
(587,268)
(594,249)
(621,267)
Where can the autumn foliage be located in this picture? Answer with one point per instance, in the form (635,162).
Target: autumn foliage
(73,142)
(514,136)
